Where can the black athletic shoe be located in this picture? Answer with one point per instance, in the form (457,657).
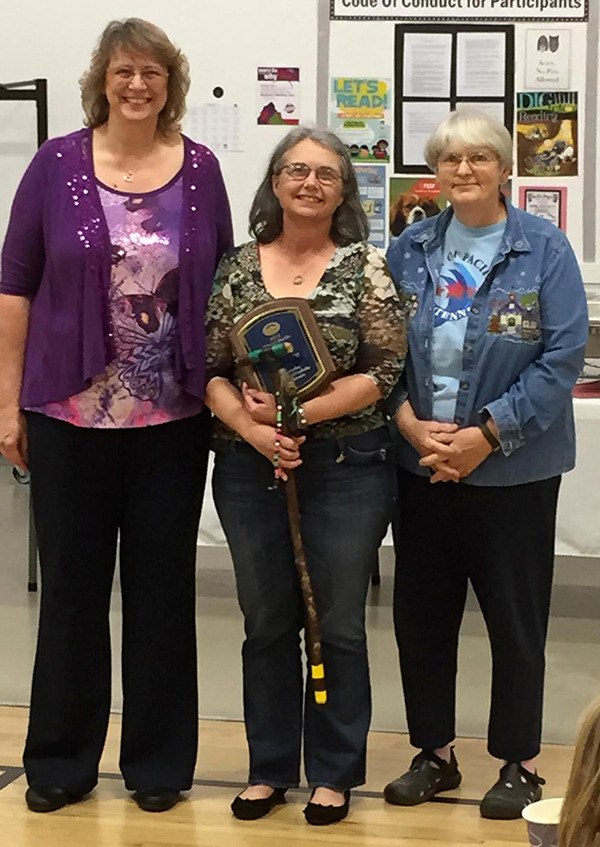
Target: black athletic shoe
(516,788)
(428,775)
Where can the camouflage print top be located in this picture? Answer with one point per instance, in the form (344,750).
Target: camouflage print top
(358,310)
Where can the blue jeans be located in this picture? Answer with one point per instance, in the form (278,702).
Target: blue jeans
(346,493)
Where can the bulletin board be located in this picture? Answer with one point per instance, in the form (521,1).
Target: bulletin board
(439,69)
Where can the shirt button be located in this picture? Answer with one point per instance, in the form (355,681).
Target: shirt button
(475,310)
(464,385)
(468,348)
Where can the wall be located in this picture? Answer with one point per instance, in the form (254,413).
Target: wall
(224,40)
(349,55)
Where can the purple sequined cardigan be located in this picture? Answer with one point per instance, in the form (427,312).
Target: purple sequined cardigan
(57,252)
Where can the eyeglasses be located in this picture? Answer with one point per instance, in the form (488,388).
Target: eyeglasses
(299,171)
(149,76)
(476,160)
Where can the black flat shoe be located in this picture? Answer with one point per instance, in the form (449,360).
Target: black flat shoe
(45,798)
(317,815)
(252,810)
(157,799)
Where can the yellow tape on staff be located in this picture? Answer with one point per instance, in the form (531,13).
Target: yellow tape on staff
(317,671)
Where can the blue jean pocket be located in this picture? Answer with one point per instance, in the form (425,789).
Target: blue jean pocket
(369,448)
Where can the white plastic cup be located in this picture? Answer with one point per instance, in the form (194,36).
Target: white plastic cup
(542,822)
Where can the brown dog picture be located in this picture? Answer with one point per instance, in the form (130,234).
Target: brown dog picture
(412,200)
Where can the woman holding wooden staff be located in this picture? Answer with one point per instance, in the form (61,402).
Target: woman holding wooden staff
(310,242)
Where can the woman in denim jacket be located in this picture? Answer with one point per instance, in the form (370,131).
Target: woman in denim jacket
(497,329)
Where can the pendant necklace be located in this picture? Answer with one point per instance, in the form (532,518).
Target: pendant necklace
(298,279)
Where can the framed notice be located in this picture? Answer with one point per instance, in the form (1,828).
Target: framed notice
(443,68)
(549,203)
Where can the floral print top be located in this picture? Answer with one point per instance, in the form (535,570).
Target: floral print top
(357,308)
(138,388)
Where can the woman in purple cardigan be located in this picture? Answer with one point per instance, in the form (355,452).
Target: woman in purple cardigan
(113,240)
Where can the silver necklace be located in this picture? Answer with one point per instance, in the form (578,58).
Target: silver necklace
(298,278)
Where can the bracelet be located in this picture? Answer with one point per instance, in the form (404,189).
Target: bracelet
(489,437)
(301,417)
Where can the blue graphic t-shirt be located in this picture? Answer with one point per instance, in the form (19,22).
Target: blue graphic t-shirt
(468,254)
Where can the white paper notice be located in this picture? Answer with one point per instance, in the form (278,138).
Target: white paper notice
(480,64)
(548,59)
(427,64)
(418,122)
(217,125)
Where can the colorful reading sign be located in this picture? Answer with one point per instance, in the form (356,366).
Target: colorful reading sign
(360,116)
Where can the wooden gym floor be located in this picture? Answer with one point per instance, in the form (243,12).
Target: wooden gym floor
(109,818)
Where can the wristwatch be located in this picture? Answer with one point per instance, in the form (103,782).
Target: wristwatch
(489,437)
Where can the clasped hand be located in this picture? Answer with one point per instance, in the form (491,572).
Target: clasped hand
(261,407)
(454,455)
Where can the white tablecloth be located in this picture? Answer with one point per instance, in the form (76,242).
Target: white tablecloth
(578,525)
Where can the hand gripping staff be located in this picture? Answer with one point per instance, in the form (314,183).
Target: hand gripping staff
(286,398)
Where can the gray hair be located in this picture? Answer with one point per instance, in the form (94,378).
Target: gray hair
(471,127)
(349,222)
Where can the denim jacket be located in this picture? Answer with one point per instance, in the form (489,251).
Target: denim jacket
(523,350)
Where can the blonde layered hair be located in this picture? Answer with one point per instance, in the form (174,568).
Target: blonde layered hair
(580,817)
(135,35)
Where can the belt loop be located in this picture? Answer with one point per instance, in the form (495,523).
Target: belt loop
(341,443)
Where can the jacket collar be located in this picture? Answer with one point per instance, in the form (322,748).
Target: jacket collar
(431,233)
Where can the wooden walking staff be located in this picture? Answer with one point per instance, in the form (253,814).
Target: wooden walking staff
(286,398)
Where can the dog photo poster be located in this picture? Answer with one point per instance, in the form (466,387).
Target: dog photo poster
(360,114)
(547,133)
(412,199)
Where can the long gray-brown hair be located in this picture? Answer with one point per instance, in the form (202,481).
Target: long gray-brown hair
(349,222)
(580,816)
(135,35)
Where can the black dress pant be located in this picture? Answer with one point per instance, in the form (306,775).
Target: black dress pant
(90,487)
(502,541)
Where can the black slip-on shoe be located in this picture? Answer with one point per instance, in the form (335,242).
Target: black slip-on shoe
(427,776)
(318,815)
(46,798)
(252,810)
(157,799)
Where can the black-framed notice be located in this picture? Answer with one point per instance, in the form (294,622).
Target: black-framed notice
(439,68)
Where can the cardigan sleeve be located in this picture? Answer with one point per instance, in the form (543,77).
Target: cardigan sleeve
(23,253)
(223,216)
(219,321)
